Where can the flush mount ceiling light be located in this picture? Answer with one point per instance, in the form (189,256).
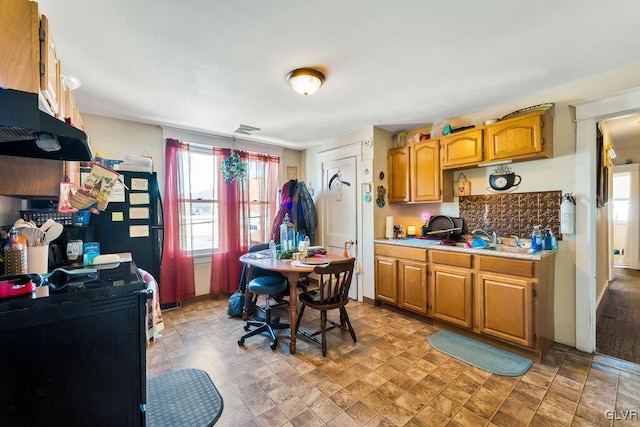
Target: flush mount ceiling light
(305,81)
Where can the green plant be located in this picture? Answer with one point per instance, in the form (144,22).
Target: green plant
(288,254)
(233,168)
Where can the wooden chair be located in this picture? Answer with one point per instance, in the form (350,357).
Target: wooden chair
(334,283)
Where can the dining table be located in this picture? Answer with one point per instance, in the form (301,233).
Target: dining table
(293,271)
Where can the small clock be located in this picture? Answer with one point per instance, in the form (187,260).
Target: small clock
(500,182)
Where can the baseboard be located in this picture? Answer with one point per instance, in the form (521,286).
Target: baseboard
(369,301)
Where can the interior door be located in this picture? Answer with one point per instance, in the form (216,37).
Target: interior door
(339,190)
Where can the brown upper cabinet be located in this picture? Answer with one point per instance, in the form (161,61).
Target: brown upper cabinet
(415,175)
(462,149)
(520,138)
(30,59)
(398,174)
(36,177)
(20,45)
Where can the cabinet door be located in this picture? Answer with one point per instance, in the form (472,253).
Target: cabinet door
(464,149)
(515,138)
(425,171)
(451,299)
(19,46)
(506,308)
(412,286)
(31,177)
(398,172)
(50,75)
(386,279)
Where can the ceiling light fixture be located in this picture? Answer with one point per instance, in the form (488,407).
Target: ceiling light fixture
(305,81)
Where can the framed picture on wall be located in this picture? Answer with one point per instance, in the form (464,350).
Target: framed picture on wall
(292,172)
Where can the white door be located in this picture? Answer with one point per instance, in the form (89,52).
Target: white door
(340,210)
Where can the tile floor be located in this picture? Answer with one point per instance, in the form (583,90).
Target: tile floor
(390,377)
(618,328)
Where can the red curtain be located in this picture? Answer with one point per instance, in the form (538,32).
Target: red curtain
(233,212)
(176,271)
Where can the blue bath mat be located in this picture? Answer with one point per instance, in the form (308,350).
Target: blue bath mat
(479,354)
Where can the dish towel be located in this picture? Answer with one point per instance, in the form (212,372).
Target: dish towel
(154,315)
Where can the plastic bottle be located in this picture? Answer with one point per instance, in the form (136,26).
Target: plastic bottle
(15,255)
(307,243)
(536,238)
(547,240)
(272,251)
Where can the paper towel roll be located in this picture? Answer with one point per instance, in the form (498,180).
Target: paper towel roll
(389,230)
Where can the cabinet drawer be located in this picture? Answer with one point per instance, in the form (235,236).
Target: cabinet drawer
(403,252)
(451,258)
(515,267)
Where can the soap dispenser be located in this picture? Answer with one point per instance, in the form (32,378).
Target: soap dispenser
(536,238)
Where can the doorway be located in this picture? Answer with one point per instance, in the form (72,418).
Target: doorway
(618,313)
(587,240)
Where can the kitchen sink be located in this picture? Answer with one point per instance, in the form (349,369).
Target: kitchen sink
(513,249)
(502,248)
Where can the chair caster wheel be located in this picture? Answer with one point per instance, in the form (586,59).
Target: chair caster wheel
(246,327)
(274,345)
(240,343)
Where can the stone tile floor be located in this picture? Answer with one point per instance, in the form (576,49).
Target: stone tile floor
(618,328)
(390,377)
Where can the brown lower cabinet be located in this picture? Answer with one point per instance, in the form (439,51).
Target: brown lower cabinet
(451,295)
(505,307)
(401,277)
(507,299)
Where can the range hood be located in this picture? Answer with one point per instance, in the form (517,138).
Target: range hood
(26,131)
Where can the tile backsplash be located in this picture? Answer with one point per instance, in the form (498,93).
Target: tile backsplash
(514,213)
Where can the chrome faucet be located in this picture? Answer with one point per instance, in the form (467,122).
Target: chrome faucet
(516,239)
(493,238)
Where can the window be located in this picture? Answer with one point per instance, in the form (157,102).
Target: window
(203,182)
(621,195)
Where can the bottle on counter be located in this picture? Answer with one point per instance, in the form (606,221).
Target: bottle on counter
(536,238)
(547,240)
(15,255)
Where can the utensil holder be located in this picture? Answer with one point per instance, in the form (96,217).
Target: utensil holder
(38,259)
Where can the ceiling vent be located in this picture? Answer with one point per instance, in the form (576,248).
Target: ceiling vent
(246,130)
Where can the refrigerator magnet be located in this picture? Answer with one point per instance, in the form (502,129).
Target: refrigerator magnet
(138,231)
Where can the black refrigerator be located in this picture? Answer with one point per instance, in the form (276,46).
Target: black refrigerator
(133,221)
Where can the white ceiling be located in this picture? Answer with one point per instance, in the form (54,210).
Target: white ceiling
(211,65)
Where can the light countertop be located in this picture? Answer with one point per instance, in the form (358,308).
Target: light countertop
(436,245)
